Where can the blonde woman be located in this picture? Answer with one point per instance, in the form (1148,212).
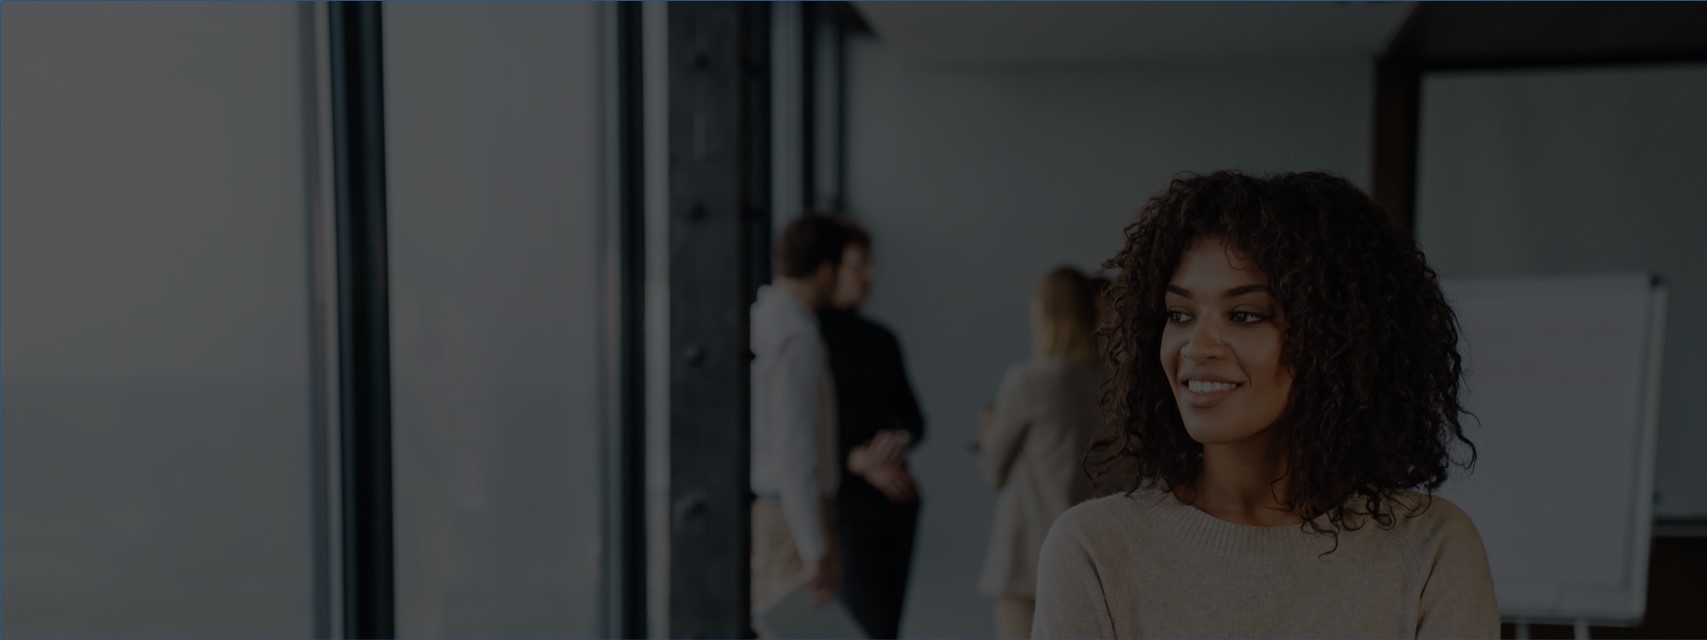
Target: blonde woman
(1033,442)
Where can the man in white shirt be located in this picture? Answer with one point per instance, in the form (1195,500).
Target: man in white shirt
(794,458)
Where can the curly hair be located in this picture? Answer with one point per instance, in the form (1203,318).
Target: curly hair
(1371,343)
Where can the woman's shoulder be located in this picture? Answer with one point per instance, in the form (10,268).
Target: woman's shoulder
(1034,367)
(1026,374)
(1102,532)
(1112,516)
(1057,363)
(1429,522)
(1089,530)
(1440,544)
(1428,512)
(1048,371)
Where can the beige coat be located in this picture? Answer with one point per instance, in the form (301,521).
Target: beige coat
(1046,415)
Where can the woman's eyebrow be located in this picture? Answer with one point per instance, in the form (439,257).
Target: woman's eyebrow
(1249,288)
(1230,293)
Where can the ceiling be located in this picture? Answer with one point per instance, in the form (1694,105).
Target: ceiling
(1004,33)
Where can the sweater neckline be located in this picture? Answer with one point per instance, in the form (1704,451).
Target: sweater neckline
(1198,529)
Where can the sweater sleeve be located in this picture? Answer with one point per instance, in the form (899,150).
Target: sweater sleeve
(1458,596)
(1071,599)
(796,406)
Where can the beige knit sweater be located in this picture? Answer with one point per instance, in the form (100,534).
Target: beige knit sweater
(1146,565)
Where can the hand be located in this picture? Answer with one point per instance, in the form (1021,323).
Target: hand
(819,582)
(887,448)
(895,481)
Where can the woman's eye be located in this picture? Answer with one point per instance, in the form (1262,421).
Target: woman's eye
(1178,317)
(1247,317)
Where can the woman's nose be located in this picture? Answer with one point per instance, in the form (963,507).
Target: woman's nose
(1203,344)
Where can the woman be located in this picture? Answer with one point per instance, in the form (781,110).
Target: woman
(1286,375)
(1033,442)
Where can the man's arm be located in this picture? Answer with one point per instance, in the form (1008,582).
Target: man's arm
(795,407)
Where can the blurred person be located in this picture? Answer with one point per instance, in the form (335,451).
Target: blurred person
(1285,401)
(794,460)
(1032,442)
(1103,285)
(878,416)
(1100,284)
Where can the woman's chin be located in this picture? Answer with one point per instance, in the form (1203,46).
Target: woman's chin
(1219,433)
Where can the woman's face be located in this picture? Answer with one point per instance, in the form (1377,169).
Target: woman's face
(1221,346)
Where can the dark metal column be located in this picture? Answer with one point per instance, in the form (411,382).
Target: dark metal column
(712,160)
(759,175)
(809,19)
(629,532)
(364,319)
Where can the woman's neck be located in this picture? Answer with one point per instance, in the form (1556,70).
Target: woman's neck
(1243,482)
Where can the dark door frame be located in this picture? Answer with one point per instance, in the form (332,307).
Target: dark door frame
(1454,36)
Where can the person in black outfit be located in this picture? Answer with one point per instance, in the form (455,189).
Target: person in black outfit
(878,418)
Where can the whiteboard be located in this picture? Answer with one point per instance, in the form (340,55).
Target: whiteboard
(1582,170)
(1563,376)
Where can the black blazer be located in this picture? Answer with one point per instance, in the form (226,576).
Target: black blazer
(872,394)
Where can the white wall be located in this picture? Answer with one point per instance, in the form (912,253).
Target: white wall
(496,148)
(1583,171)
(975,182)
(159,427)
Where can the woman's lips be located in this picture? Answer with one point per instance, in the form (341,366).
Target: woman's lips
(1207,399)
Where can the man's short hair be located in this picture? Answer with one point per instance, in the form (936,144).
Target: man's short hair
(808,241)
(857,235)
